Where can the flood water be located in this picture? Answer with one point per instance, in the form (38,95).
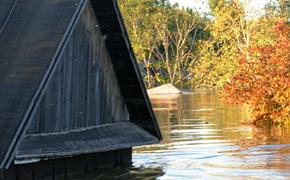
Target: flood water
(203,139)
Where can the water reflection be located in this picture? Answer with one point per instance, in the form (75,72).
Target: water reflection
(203,139)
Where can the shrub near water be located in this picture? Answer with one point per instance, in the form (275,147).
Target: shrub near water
(263,81)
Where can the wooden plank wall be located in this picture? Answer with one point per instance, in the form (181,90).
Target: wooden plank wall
(68,168)
(84,90)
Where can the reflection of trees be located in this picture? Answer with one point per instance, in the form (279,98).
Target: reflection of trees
(200,118)
(207,105)
(168,110)
(200,107)
(274,142)
(262,136)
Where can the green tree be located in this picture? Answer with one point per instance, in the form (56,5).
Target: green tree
(178,30)
(230,36)
(138,19)
(164,39)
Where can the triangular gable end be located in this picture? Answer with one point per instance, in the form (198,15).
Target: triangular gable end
(35,40)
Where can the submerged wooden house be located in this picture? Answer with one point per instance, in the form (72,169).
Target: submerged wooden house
(71,95)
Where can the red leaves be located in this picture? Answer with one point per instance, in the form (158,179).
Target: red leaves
(242,61)
(264,80)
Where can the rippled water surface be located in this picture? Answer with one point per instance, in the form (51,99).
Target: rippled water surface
(203,139)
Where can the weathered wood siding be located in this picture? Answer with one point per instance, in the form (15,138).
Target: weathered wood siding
(68,168)
(83,90)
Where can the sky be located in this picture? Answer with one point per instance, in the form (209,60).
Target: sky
(202,6)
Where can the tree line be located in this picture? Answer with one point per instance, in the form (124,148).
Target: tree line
(245,56)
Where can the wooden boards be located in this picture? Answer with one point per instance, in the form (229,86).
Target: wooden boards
(83,90)
(29,40)
(64,68)
(125,65)
(69,167)
(95,139)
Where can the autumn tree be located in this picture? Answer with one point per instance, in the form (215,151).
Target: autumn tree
(230,36)
(274,11)
(263,81)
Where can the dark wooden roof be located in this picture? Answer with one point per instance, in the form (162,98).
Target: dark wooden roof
(32,34)
(125,64)
(87,140)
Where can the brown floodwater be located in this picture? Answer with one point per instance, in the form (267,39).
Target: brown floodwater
(204,139)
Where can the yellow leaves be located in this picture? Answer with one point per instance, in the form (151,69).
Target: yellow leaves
(263,82)
(163,37)
(219,55)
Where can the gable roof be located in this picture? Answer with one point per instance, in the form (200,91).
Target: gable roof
(125,65)
(101,138)
(32,34)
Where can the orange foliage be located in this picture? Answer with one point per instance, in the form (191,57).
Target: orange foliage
(263,80)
